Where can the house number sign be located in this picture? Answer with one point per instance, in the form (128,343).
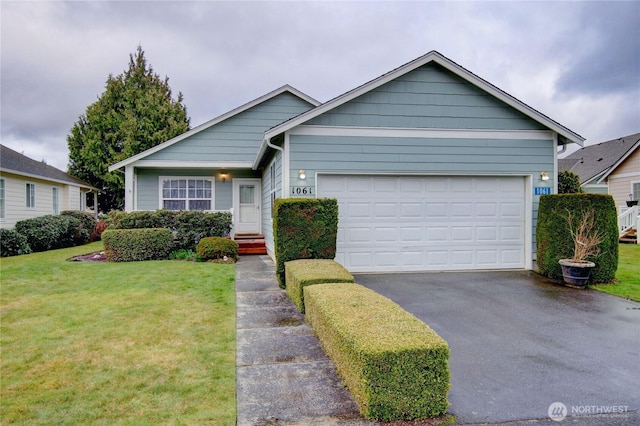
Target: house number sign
(541,190)
(302,190)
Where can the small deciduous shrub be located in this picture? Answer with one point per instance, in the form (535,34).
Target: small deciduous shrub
(184,254)
(52,232)
(96,235)
(188,227)
(210,248)
(396,367)
(12,243)
(129,245)
(304,272)
(304,228)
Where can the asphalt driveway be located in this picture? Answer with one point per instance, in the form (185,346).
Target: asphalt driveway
(520,343)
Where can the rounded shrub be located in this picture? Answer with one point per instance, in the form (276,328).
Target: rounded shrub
(13,243)
(52,232)
(87,223)
(210,248)
(130,245)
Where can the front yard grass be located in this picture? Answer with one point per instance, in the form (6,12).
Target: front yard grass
(628,274)
(116,343)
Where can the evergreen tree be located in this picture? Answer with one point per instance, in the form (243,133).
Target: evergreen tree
(135,112)
(569,183)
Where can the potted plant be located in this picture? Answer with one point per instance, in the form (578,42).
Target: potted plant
(576,270)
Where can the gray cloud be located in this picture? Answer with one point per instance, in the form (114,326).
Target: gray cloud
(562,58)
(608,59)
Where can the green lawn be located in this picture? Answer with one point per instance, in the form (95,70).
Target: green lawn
(628,274)
(116,343)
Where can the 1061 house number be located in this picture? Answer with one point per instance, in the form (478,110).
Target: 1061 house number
(301,190)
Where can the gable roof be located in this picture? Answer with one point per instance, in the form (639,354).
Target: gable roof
(214,121)
(565,135)
(16,163)
(594,163)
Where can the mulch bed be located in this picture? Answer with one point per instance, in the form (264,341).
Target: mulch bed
(97,256)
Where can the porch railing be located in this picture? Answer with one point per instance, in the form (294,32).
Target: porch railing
(628,218)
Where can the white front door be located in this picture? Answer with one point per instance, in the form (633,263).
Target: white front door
(246,206)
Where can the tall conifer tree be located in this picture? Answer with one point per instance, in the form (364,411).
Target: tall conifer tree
(135,112)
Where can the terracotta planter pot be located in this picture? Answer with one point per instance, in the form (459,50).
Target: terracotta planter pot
(576,274)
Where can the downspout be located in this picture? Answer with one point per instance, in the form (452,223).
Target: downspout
(278,148)
(564,148)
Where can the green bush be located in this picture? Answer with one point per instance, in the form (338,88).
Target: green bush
(210,248)
(129,245)
(569,183)
(304,272)
(87,222)
(52,232)
(554,239)
(188,227)
(12,243)
(396,367)
(304,228)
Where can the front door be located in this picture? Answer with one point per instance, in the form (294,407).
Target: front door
(246,203)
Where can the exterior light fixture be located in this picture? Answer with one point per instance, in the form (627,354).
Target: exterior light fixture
(223,176)
(544,176)
(302,174)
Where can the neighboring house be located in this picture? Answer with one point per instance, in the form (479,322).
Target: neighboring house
(30,188)
(433,167)
(611,167)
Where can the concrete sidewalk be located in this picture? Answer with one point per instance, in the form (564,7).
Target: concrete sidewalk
(283,375)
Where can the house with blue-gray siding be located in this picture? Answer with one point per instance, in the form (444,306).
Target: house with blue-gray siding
(433,167)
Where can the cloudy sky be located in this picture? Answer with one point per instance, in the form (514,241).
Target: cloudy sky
(577,62)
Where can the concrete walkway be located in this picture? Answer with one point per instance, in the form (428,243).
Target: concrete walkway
(283,375)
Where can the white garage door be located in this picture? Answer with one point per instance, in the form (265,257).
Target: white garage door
(422,223)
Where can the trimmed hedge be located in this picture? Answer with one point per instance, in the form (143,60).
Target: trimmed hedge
(12,243)
(554,239)
(304,272)
(130,245)
(217,248)
(52,232)
(189,227)
(304,228)
(396,367)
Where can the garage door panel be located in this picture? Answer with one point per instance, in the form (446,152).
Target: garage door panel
(410,223)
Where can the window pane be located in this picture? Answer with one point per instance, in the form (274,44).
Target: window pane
(54,197)
(173,204)
(31,195)
(636,190)
(200,205)
(246,194)
(2,212)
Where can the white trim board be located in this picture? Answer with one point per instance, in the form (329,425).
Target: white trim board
(420,133)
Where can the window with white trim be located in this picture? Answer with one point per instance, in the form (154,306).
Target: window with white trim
(179,193)
(30,191)
(2,199)
(272,187)
(635,190)
(55,197)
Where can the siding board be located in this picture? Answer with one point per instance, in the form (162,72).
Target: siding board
(237,138)
(428,97)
